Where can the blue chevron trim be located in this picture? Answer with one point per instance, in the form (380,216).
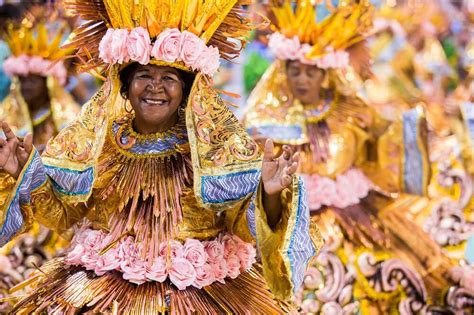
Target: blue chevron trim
(301,247)
(223,188)
(71,182)
(33,177)
(413,167)
(252,225)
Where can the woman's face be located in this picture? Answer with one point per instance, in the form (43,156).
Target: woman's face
(304,81)
(155,93)
(34,90)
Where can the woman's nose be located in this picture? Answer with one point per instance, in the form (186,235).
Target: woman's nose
(155,85)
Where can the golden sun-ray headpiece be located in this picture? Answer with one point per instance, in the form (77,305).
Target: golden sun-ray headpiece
(188,34)
(300,36)
(36,48)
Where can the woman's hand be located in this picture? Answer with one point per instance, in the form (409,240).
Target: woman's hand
(276,176)
(13,153)
(277,172)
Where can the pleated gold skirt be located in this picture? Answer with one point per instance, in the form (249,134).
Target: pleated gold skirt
(61,289)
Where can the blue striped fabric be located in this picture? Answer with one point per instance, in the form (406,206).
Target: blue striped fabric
(413,167)
(71,182)
(32,178)
(301,248)
(223,188)
(251,218)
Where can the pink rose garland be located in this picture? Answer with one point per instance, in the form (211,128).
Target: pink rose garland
(171,45)
(195,263)
(291,49)
(24,65)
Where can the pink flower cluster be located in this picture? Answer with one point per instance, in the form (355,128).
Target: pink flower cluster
(346,190)
(286,48)
(193,263)
(24,65)
(121,46)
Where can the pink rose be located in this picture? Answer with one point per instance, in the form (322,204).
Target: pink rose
(361,184)
(208,61)
(167,46)
(284,48)
(16,65)
(107,262)
(230,245)
(127,249)
(194,252)
(89,260)
(38,65)
(157,270)
(214,250)
(204,276)
(220,270)
(139,45)
(182,273)
(345,192)
(342,59)
(191,49)
(59,72)
(105,47)
(233,266)
(172,249)
(246,253)
(93,240)
(304,50)
(118,46)
(134,271)
(74,257)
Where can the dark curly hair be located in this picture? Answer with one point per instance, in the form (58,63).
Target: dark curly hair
(126,76)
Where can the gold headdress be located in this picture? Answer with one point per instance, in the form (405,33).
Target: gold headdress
(218,24)
(35,46)
(310,40)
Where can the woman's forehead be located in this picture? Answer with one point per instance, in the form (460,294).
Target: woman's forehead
(157,69)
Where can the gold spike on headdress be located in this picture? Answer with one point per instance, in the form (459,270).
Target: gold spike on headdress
(36,41)
(215,22)
(344,27)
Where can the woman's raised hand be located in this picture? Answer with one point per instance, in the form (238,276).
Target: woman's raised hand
(13,152)
(277,171)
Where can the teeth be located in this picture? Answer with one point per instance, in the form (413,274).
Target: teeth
(154,102)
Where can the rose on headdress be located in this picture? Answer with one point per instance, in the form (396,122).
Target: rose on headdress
(167,46)
(192,48)
(118,47)
(139,45)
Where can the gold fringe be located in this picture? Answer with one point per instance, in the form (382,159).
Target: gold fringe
(150,187)
(75,290)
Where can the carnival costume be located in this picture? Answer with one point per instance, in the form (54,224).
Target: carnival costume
(357,168)
(171,218)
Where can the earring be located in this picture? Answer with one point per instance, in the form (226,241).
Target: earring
(128,107)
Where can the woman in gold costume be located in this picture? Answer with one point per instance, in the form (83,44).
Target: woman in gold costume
(357,167)
(38,104)
(169,191)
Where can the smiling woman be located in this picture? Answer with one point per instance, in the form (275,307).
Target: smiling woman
(172,196)
(155,94)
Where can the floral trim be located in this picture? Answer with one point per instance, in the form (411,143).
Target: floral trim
(194,263)
(345,190)
(24,65)
(120,46)
(286,48)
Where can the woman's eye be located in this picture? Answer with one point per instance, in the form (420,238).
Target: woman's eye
(168,78)
(143,76)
